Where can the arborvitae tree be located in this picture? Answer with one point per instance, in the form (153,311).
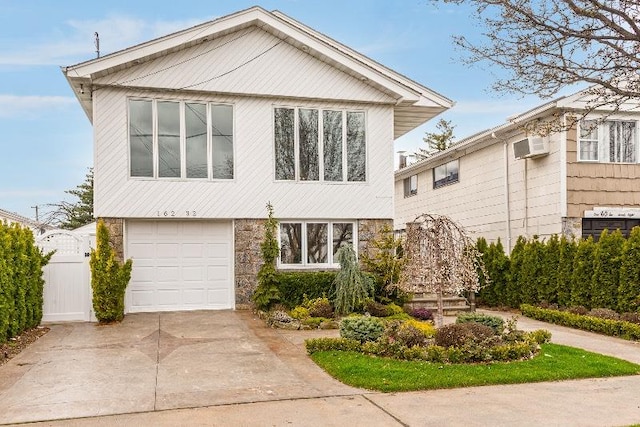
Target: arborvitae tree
(19,315)
(514,297)
(109,278)
(486,292)
(497,266)
(566,255)
(629,288)
(606,270)
(550,264)
(6,284)
(267,293)
(582,273)
(531,279)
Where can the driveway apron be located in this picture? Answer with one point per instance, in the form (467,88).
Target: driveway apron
(157,361)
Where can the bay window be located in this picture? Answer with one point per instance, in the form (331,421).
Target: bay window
(609,141)
(183,140)
(319,145)
(313,243)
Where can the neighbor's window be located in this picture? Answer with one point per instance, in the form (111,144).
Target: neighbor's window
(319,145)
(411,186)
(611,141)
(308,243)
(445,174)
(181,139)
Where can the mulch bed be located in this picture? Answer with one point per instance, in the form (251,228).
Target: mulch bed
(16,344)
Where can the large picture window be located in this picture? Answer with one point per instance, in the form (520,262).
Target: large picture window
(183,140)
(313,243)
(319,145)
(446,174)
(611,141)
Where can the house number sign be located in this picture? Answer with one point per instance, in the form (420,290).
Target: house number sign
(179,213)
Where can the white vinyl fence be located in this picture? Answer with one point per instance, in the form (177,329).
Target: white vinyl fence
(67,288)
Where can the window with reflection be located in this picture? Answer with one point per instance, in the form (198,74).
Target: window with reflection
(314,243)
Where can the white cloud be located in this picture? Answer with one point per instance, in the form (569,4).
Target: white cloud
(21,106)
(75,42)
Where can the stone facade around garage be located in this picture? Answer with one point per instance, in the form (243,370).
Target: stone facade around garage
(248,235)
(116,235)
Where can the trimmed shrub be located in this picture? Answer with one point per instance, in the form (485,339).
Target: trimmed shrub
(361,328)
(319,307)
(404,333)
(300,313)
(494,322)
(421,313)
(376,309)
(331,344)
(578,309)
(496,263)
(540,336)
(566,255)
(582,273)
(631,317)
(513,297)
(459,334)
(618,328)
(109,278)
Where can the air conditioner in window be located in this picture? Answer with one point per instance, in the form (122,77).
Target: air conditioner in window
(531,147)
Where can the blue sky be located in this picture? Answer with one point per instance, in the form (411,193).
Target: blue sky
(46,143)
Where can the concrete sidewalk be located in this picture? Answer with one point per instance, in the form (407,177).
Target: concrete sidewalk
(305,396)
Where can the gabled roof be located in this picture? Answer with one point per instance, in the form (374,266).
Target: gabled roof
(414,103)
(492,135)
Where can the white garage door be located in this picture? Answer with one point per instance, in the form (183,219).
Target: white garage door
(179,265)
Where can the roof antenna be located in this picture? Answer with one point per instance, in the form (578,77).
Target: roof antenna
(97,43)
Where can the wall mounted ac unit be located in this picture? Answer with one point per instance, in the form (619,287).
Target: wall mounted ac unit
(531,147)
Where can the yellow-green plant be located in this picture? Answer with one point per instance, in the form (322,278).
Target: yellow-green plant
(109,278)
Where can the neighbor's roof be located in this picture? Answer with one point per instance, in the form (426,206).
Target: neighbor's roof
(16,218)
(415,103)
(491,135)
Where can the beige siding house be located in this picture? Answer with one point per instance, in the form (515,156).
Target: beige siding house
(195,132)
(507,182)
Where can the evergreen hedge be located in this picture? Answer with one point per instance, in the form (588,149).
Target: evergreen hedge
(21,282)
(567,273)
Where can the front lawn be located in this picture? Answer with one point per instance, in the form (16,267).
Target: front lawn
(554,362)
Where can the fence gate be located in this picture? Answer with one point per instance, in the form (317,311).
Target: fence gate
(67,287)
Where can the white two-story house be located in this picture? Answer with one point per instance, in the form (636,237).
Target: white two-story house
(560,168)
(195,132)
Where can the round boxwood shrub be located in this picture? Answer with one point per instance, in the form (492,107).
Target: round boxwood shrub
(320,307)
(361,328)
(459,334)
(494,322)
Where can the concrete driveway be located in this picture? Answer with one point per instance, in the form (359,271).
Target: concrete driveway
(154,362)
(228,369)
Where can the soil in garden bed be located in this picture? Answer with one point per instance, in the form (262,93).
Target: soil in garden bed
(16,344)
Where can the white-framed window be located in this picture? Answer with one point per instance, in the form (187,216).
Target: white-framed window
(311,144)
(180,139)
(608,141)
(411,186)
(446,174)
(314,243)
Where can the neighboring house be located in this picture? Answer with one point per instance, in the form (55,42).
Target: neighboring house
(503,183)
(197,131)
(37,228)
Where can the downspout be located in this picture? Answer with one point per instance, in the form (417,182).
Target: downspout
(507,202)
(526,199)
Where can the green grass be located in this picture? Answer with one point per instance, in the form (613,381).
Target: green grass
(555,362)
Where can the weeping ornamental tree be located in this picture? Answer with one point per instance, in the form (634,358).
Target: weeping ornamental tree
(441,259)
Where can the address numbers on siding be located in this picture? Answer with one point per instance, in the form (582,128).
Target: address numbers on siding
(181,214)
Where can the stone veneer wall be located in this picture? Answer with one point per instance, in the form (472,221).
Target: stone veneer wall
(116,235)
(572,227)
(248,235)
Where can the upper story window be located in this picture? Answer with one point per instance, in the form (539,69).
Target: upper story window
(177,139)
(411,186)
(610,141)
(446,174)
(319,145)
(314,243)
